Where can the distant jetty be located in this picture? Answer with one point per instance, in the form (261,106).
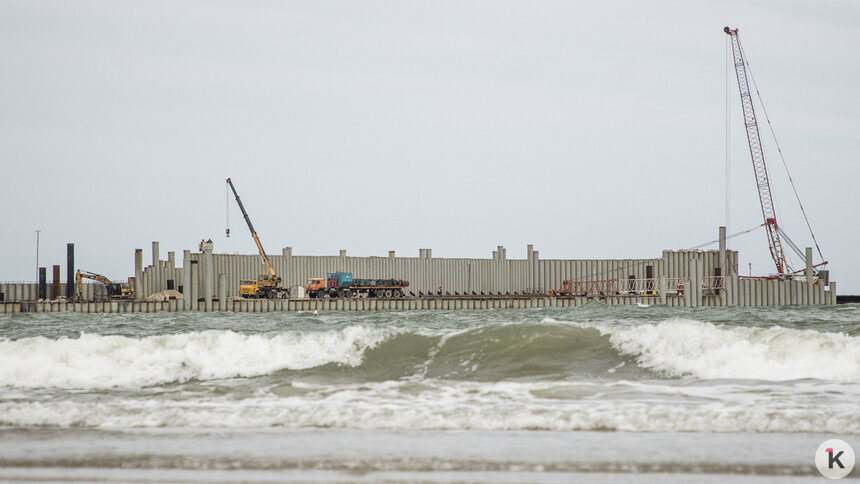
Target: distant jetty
(211,282)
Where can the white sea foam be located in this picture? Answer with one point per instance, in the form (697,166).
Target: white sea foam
(445,405)
(683,347)
(95,361)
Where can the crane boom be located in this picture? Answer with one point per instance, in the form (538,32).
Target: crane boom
(757,153)
(269,269)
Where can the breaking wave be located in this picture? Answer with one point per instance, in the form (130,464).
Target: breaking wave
(95,361)
(682,347)
(546,351)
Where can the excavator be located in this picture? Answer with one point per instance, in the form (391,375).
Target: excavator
(268,285)
(116,290)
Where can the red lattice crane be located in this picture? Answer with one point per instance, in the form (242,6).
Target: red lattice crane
(759,166)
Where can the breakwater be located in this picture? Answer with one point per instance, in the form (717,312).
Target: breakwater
(207,281)
(712,292)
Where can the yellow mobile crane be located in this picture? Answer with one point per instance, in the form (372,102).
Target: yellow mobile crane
(116,290)
(268,285)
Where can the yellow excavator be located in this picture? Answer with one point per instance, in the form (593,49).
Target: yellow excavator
(268,285)
(116,290)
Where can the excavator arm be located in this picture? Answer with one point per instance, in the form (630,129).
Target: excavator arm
(91,275)
(81,275)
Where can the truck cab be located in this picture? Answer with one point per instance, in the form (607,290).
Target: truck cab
(335,284)
(249,288)
(314,284)
(342,285)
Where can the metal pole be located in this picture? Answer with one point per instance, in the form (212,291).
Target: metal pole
(37,253)
(70,271)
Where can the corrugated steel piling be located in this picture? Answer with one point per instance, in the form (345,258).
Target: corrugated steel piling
(677,278)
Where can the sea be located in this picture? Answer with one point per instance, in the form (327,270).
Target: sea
(589,394)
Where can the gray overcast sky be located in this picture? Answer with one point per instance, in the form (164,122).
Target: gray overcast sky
(590,129)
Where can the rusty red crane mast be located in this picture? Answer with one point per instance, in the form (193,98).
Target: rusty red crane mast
(757,153)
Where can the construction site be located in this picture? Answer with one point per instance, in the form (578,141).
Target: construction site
(203,280)
(207,281)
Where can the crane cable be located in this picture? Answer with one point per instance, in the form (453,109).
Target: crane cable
(727,238)
(791,243)
(782,158)
(624,266)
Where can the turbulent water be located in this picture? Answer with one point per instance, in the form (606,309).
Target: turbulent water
(640,372)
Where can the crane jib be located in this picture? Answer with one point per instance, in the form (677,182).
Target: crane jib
(757,155)
(269,269)
(241,207)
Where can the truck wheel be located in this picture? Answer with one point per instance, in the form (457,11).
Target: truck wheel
(379,294)
(258,294)
(340,293)
(347,293)
(388,293)
(396,293)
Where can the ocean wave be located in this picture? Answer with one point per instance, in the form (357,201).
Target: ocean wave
(449,405)
(96,361)
(683,347)
(547,351)
(354,353)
